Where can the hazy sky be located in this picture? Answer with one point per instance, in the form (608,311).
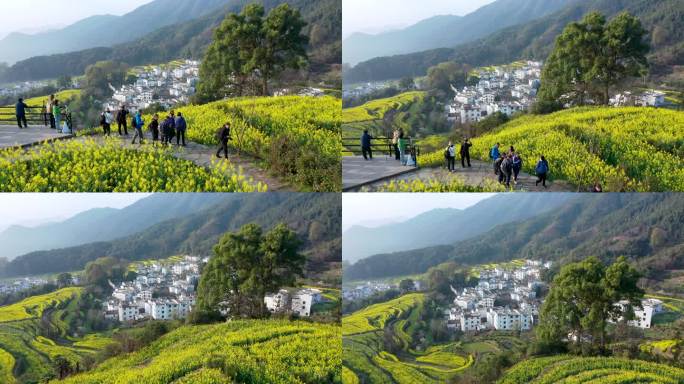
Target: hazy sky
(31,209)
(374,16)
(358,208)
(31,15)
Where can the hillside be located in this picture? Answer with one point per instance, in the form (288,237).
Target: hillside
(447,30)
(445,226)
(534,40)
(246,351)
(317,221)
(105,30)
(593,369)
(189,39)
(624,149)
(103,224)
(644,227)
(34,331)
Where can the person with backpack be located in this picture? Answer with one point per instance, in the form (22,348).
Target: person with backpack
(168,128)
(20,110)
(542,171)
(497,169)
(495,155)
(121,120)
(138,124)
(465,152)
(517,166)
(106,122)
(223,135)
(450,156)
(154,128)
(366,146)
(181,128)
(506,170)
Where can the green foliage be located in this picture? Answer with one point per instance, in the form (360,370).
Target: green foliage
(246,266)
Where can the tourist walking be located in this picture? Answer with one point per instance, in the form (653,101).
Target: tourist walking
(181,128)
(138,124)
(154,128)
(366,146)
(106,122)
(20,110)
(122,120)
(542,170)
(50,107)
(506,170)
(395,144)
(517,166)
(403,144)
(223,135)
(450,156)
(465,152)
(495,155)
(57,115)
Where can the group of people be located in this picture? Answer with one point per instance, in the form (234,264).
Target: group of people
(507,166)
(174,125)
(464,151)
(52,112)
(401,148)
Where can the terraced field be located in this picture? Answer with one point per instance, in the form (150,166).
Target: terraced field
(278,352)
(34,332)
(571,369)
(367,361)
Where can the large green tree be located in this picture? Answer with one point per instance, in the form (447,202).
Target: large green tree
(583,299)
(246,266)
(250,49)
(590,57)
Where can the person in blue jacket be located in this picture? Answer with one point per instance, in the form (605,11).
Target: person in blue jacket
(21,113)
(138,124)
(494,155)
(181,128)
(366,147)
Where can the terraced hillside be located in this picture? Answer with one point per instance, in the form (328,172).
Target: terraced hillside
(278,352)
(570,369)
(624,149)
(35,331)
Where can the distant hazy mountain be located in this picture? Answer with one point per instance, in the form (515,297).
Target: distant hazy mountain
(104,30)
(534,40)
(102,223)
(448,30)
(445,226)
(315,216)
(644,227)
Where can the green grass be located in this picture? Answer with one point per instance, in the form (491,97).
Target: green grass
(6,367)
(34,306)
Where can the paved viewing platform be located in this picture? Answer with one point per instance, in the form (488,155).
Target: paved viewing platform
(357,172)
(12,137)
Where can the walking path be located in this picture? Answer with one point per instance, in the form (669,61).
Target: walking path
(477,174)
(11,136)
(358,172)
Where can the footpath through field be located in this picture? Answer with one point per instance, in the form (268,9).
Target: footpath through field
(11,136)
(358,172)
(476,176)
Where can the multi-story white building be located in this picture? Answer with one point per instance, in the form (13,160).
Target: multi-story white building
(643,317)
(277,302)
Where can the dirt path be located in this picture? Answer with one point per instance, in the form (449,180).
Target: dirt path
(204,156)
(481,171)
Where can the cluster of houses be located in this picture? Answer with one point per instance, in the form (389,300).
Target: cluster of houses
(504,299)
(643,317)
(650,98)
(160,291)
(504,89)
(21,88)
(298,302)
(365,290)
(359,90)
(166,85)
(14,286)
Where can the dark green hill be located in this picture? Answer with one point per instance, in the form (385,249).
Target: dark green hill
(316,217)
(664,19)
(189,40)
(647,228)
(447,30)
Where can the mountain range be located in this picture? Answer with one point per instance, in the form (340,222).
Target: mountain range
(444,226)
(534,39)
(104,30)
(315,217)
(189,39)
(102,223)
(646,228)
(447,30)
